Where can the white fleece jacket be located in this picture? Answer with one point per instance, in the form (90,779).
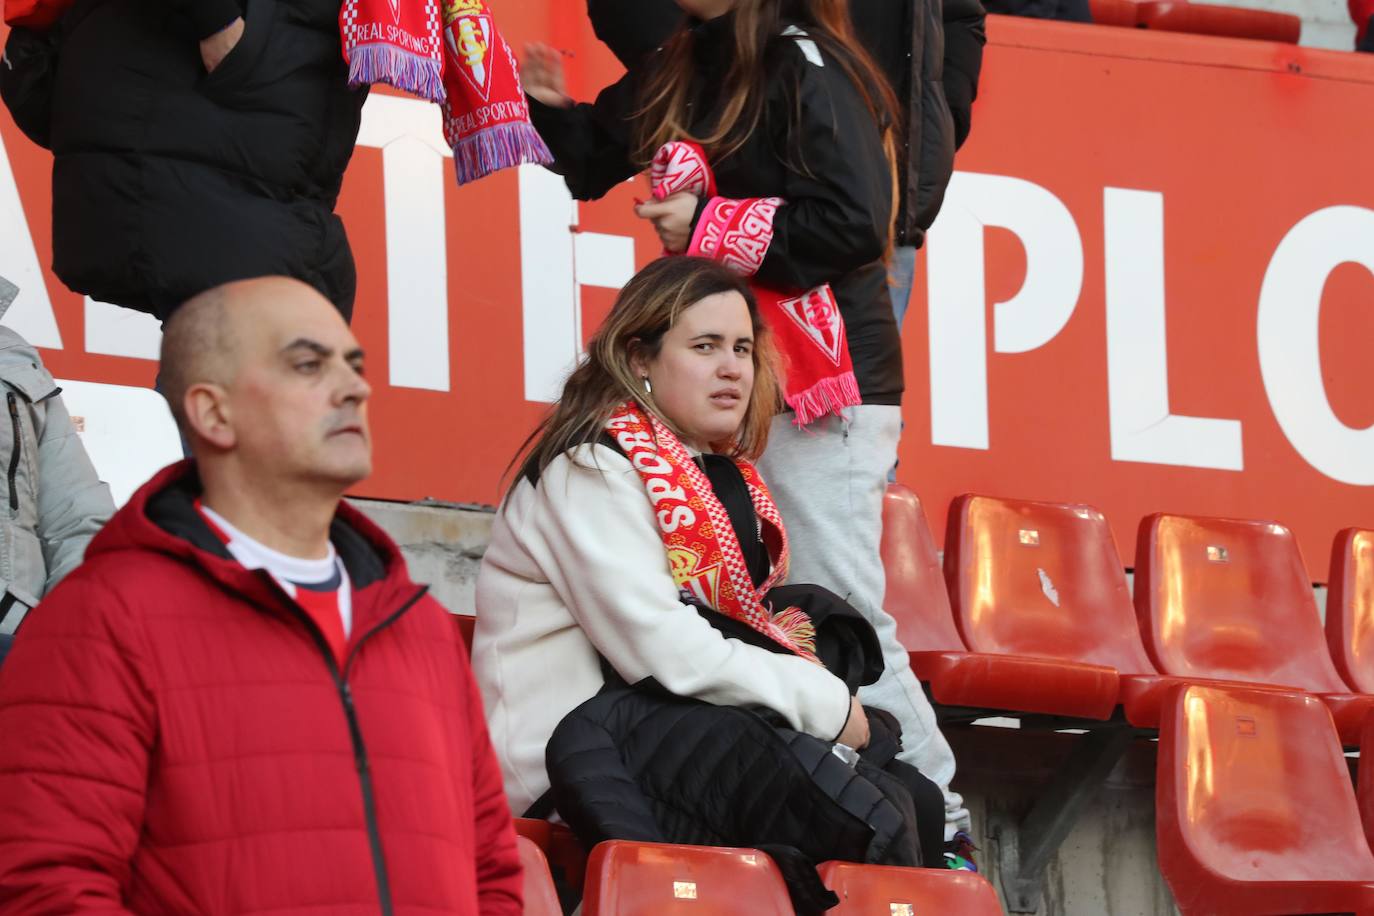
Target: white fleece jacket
(576,566)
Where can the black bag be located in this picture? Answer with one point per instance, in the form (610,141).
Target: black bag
(28,71)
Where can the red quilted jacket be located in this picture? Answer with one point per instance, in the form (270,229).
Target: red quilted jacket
(175,737)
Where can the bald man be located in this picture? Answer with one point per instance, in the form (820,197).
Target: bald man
(240,702)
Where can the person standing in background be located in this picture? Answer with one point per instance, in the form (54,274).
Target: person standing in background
(56,501)
(194,142)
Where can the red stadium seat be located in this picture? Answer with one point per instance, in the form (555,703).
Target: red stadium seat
(633,879)
(1045,579)
(1226,599)
(559,845)
(1350,608)
(541,899)
(916,597)
(1122,13)
(869,889)
(1254,808)
(466,626)
(1365,791)
(1227,21)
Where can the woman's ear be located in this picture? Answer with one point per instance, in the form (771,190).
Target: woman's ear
(638,364)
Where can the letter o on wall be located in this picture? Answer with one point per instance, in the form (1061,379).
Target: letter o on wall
(1289,345)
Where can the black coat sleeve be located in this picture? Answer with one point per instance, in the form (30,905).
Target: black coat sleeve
(964,40)
(590,142)
(837,192)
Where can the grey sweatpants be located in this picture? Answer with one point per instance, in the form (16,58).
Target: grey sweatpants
(828,481)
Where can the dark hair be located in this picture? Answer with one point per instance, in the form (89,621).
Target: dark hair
(645,310)
(667,96)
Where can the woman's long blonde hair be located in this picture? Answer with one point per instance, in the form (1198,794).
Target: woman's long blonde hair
(667,97)
(645,310)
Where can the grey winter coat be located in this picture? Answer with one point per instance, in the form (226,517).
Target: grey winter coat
(51,501)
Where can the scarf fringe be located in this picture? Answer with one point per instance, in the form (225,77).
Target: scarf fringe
(829,395)
(795,624)
(386,63)
(498,147)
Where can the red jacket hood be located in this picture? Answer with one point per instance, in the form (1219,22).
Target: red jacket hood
(161,518)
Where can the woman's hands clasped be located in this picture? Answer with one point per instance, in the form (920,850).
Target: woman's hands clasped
(672,218)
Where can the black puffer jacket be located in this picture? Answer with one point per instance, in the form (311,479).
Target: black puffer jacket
(834,226)
(167,181)
(934,44)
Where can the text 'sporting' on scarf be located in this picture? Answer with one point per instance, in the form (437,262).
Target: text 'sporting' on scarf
(450,52)
(704,554)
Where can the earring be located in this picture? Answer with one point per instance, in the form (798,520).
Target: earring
(648,388)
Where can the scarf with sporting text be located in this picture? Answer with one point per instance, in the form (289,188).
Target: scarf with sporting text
(447,51)
(704,554)
(808,327)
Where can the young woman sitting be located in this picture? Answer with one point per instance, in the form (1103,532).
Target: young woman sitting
(644,671)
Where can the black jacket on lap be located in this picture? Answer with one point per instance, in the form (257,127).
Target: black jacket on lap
(168,180)
(828,166)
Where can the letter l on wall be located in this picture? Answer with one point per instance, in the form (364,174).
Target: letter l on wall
(1142,428)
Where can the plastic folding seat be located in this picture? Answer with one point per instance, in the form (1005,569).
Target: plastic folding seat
(1045,579)
(1227,599)
(1365,791)
(869,889)
(917,599)
(559,846)
(1226,21)
(541,899)
(1350,608)
(1122,13)
(633,879)
(1255,812)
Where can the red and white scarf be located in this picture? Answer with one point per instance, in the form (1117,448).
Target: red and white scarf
(808,327)
(704,554)
(447,51)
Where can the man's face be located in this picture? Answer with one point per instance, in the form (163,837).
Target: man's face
(298,399)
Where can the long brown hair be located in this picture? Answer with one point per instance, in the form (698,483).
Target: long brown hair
(645,310)
(667,95)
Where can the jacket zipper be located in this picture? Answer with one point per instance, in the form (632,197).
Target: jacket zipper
(14,452)
(355,732)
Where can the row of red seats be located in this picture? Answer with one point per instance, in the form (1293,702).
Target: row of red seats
(1033,614)
(1198,19)
(631,879)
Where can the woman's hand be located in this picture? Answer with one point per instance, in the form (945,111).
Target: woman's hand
(855,732)
(542,76)
(672,219)
(216,48)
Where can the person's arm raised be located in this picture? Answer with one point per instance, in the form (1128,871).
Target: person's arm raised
(590,143)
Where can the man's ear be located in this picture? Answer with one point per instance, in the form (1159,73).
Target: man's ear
(209,416)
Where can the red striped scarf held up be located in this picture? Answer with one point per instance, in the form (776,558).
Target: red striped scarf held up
(450,52)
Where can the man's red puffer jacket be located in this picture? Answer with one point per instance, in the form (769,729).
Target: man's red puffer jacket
(35,14)
(175,737)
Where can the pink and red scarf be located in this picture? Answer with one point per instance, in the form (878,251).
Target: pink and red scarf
(704,554)
(808,327)
(447,51)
